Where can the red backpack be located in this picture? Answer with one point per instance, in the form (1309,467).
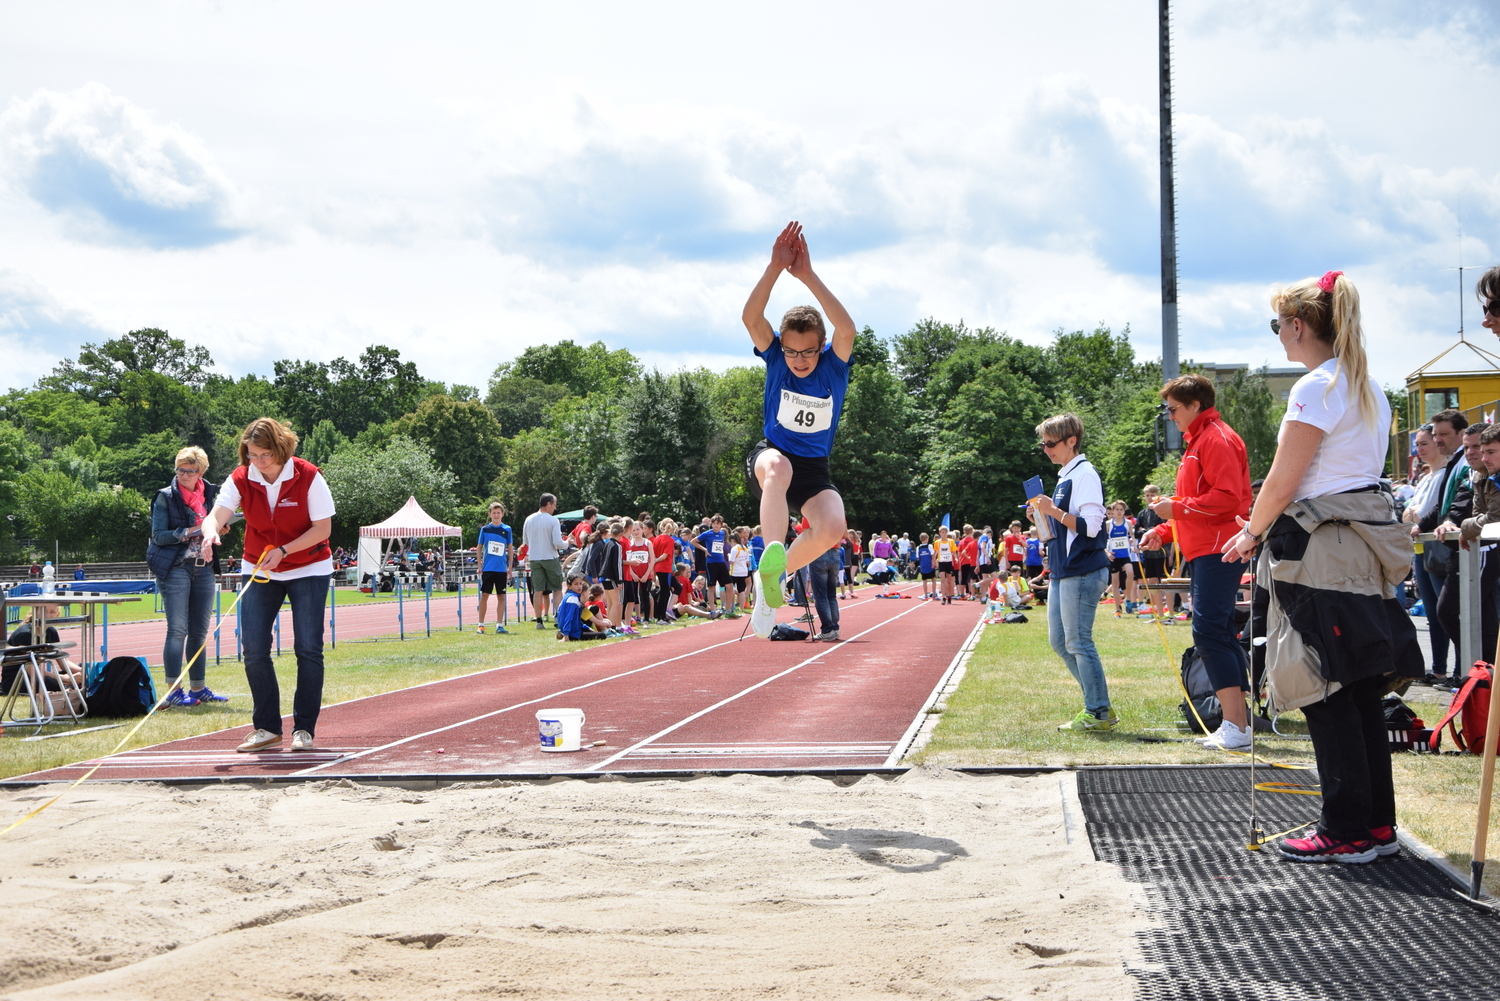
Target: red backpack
(1471,706)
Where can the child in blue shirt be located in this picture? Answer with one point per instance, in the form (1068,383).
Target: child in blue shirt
(806,381)
(494,554)
(571,615)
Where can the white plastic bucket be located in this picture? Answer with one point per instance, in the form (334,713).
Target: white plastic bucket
(560,729)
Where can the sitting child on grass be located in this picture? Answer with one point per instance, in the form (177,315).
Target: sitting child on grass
(573,617)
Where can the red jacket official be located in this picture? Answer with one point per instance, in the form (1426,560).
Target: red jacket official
(1213,487)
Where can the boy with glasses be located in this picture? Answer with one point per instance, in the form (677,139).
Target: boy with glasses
(806,381)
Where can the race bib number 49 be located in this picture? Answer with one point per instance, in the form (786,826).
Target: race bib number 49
(805,414)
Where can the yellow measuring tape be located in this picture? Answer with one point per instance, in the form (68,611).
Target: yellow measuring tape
(255,578)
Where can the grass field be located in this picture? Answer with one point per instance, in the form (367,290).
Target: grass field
(1016,690)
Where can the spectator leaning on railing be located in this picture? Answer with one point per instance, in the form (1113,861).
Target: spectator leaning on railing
(1465,515)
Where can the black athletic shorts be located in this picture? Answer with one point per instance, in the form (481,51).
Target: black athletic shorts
(606,583)
(1154,567)
(928,575)
(493,582)
(739,582)
(966,574)
(633,589)
(946,568)
(1119,564)
(810,475)
(718,573)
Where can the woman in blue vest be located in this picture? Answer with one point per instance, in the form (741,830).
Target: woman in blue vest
(1079,565)
(185,583)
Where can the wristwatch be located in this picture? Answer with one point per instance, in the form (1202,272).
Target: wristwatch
(284,553)
(1251,535)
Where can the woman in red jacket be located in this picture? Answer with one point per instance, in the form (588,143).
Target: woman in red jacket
(1213,487)
(288,515)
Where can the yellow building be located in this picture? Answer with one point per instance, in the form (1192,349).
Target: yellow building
(1464,377)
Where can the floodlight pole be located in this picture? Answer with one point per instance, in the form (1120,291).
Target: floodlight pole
(1169,363)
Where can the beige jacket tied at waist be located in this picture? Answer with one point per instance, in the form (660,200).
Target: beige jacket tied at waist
(1293,673)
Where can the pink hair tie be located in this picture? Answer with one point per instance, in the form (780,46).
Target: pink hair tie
(1326,282)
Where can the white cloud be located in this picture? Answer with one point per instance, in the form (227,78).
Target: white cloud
(113,172)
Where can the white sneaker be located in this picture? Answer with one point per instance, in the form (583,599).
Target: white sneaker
(259,740)
(1227,737)
(763,616)
(302,740)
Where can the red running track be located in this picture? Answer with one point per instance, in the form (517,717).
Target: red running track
(680,700)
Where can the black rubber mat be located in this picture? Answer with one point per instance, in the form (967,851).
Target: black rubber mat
(1233,923)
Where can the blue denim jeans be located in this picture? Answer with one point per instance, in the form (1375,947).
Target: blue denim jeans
(187,593)
(1428,589)
(1071,605)
(258,609)
(1214,630)
(825,588)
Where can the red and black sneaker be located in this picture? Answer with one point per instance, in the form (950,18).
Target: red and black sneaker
(1383,840)
(1322,848)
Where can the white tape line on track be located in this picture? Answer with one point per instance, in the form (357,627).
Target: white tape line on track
(741,694)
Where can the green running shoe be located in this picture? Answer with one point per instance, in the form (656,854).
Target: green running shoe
(772,569)
(1087,722)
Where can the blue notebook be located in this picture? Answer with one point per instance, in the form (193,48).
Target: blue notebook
(1033,487)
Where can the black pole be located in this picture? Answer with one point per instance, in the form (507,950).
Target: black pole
(1169,362)
(1168,202)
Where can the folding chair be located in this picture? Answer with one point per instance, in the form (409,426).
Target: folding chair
(23,671)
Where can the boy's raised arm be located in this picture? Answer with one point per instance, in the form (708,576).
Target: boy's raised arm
(838,317)
(783,253)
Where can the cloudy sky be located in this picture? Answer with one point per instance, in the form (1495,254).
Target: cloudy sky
(461,180)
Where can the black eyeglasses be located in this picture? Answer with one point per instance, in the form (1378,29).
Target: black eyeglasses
(808,353)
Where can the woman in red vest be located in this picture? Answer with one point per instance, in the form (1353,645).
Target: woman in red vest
(288,513)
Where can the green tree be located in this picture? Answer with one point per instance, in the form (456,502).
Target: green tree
(584,370)
(520,403)
(464,437)
(57,417)
(1091,362)
(231,404)
(874,461)
(537,461)
(1124,451)
(145,465)
(100,371)
(1247,404)
(321,443)
(926,344)
(985,448)
(102,523)
(380,387)
(370,484)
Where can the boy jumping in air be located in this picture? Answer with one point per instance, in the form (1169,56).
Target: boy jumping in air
(806,380)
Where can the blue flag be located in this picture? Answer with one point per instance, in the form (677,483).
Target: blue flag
(945,521)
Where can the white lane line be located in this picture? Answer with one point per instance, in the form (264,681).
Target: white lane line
(741,694)
(518,705)
(959,663)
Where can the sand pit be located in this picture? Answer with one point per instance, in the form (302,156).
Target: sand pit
(935,885)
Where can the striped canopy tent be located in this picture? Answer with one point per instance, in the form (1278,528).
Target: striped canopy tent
(379,542)
(411,522)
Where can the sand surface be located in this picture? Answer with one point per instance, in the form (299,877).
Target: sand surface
(935,885)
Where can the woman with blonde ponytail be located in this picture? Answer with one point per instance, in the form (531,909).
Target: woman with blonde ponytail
(1331,554)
